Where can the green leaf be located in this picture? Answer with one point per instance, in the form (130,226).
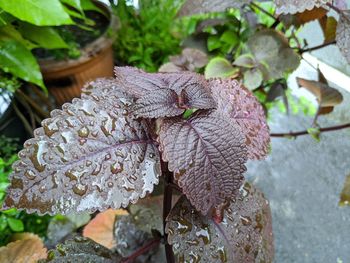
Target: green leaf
(9,32)
(46,37)
(252,78)
(16,225)
(315,133)
(245,60)
(213,42)
(38,12)
(18,60)
(220,68)
(229,37)
(74,3)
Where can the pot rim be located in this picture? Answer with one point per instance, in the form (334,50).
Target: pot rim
(90,51)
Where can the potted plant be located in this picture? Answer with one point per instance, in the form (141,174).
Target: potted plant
(59,45)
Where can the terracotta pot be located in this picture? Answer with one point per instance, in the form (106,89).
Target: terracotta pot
(64,79)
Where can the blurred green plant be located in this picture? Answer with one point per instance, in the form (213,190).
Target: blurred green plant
(146,37)
(14,221)
(36,24)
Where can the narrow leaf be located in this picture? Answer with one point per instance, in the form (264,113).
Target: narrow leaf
(244,235)
(207,155)
(89,156)
(242,108)
(329,28)
(37,12)
(343,34)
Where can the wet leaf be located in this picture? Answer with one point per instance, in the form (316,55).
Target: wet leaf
(191,7)
(101,228)
(298,6)
(329,27)
(271,49)
(252,78)
(325,95)
(158,103)
(220,68)
(207,155)
(29,248)
(242,108)
(129,237)
(81,250)
(343,34)
(345,193)
(244,235)
(92,155)
(192,91)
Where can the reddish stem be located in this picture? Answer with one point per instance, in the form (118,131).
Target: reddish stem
(167,198)
(301,51)
(142,250)
(299,133)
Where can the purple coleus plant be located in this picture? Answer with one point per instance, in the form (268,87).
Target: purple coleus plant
(105,149)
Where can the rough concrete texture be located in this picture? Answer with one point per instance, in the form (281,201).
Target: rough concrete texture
(302,179)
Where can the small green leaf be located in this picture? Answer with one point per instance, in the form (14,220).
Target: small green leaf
(89,5)
(245,60)
(220,68)
(38,12)
(315,133)
(252,78)
(18,60)
(46,37)
(16,225)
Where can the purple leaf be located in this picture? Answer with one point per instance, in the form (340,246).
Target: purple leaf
(89,156)
(241,106)
(244,235)
(158,103)
(207,155)
(164,94)
(137,82)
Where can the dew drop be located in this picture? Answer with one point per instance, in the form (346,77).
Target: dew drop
(30,174)
(80,189)
(83,132)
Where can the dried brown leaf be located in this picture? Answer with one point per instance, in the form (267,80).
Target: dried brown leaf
(28,248)
(101,228)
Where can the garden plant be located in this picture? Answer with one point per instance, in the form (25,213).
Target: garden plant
(162,155)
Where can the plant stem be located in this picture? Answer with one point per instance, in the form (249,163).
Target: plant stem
(142,250)
(305,132)
(167,198)
(263,10)
(301,51)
